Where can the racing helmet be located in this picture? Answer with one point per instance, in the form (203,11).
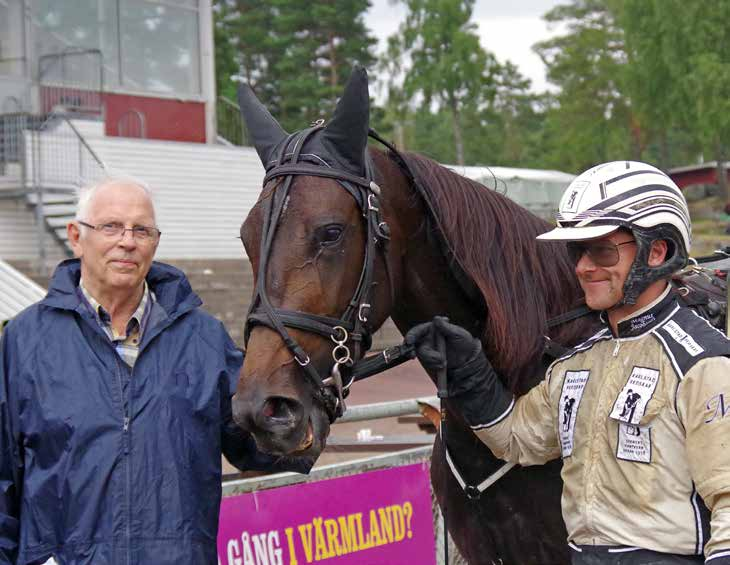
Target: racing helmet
(634,196)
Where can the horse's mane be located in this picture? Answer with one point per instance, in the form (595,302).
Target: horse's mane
(523,282)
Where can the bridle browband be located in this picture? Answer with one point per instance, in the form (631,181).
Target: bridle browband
(351,333)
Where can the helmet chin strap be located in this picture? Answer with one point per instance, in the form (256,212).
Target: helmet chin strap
(641,275)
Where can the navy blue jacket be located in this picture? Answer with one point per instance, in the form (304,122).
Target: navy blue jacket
(94,475)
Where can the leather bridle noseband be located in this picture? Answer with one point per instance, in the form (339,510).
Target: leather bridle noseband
(351,333)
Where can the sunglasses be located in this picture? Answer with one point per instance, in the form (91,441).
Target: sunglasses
(602,253)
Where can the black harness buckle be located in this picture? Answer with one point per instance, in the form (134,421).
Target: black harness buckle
(472,492)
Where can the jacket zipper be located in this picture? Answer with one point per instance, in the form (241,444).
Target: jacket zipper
(127,464)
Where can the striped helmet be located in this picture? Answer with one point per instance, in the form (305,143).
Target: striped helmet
(631,195)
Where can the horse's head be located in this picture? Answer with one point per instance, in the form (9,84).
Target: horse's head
(314,239)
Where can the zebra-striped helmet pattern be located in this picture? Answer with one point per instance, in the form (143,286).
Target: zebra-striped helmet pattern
(634,196)
(625,194)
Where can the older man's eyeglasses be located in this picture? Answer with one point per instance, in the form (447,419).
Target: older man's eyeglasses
(117,230)
(602,253)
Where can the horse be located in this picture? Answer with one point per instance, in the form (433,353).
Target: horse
(435,243)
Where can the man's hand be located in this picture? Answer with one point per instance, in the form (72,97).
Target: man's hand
(473,386)
(461,346)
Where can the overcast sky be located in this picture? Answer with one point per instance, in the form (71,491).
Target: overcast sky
(508,28)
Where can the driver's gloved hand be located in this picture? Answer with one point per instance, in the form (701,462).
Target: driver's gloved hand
(473,386)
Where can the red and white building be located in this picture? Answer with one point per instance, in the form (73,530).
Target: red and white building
(144,67)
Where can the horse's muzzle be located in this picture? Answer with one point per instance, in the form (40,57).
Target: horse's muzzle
(279,424)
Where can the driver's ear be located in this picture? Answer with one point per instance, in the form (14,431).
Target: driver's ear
(657,253)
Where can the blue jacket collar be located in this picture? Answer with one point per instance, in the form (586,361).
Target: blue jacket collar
(170,285)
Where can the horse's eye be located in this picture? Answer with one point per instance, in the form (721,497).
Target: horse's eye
(331,234)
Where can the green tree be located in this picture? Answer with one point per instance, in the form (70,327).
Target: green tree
(514,118)
(246,46)
(700,58)
(449,68)
(663,126)
(320,41)
(226,61)
(590,119)
(296,55)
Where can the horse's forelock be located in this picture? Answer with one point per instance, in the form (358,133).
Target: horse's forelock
(523,282)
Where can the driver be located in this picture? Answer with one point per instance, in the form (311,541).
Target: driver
(646,465)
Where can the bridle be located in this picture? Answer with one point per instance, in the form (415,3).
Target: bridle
(351,333)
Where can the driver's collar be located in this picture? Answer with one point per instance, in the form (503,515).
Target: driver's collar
(644,320)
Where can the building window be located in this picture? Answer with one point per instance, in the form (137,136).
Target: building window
(12,52)
(160,47)
(146,45)
(61,33)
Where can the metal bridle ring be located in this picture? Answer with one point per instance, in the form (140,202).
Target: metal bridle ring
(345,335)
(341,359)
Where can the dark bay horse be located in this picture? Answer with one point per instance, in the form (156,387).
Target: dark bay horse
(451,247)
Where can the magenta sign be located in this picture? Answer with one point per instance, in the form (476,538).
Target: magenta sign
(376,518)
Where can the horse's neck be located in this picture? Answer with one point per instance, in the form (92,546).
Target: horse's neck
(430,287)
(427,284)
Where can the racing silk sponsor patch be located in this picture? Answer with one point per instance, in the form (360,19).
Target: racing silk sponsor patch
(633,398)
(683,338)
(570,396)
(640,322)
(634,443)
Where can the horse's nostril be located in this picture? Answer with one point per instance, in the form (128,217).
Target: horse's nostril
(280,410)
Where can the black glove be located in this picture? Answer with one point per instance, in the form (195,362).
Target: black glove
(473,386)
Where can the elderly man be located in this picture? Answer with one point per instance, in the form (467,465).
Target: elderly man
(115,403)
(638,413)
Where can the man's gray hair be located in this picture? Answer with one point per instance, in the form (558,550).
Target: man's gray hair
(86,193)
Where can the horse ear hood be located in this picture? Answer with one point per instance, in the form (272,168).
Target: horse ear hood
(266,133)
(346,135)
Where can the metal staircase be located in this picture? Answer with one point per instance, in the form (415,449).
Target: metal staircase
(44,160)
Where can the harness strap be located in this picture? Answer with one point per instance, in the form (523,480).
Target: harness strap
(554,349)
(315,171)
(316,324)
(473,492)
(569,316)
(386,359)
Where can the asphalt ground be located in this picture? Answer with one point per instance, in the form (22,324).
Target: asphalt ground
(408,380)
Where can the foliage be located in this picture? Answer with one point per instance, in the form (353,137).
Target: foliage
(590,121)
(296,55)
(448,65)
(448,97)
(644,79)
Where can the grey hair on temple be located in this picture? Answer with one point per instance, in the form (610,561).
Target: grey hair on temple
(86,193)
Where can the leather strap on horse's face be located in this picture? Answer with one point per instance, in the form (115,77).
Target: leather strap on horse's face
(351,333)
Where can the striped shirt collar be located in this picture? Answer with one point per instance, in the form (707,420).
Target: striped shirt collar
(138,319)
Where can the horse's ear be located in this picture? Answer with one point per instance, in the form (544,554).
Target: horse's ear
(347,132)
(265,131)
